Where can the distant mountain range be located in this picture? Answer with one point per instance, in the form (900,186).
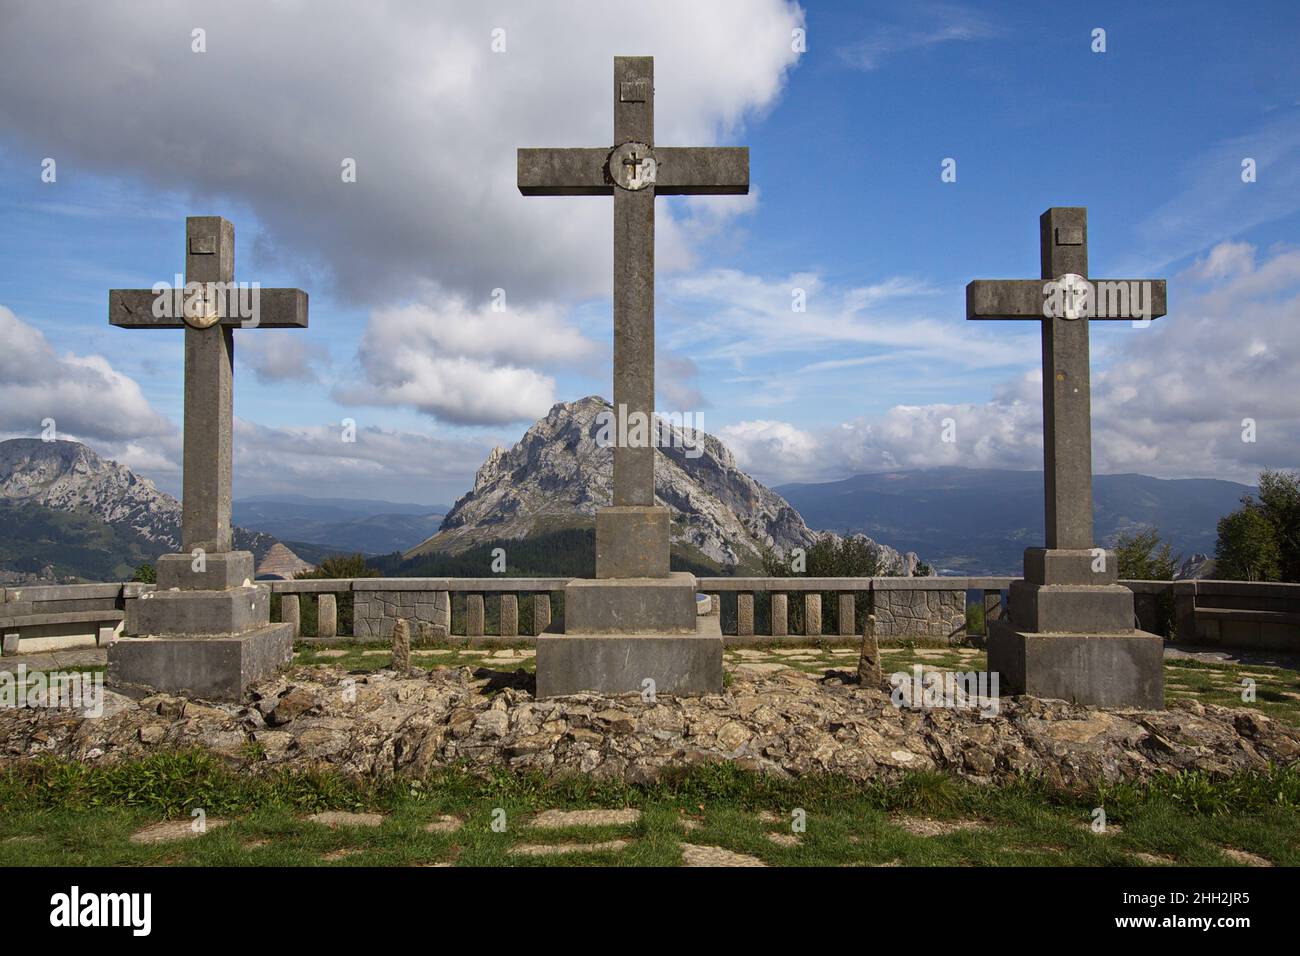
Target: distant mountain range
(979,521)
(557,475)
(340,525)
(66,513)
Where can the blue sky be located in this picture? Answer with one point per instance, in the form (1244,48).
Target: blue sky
(846,141)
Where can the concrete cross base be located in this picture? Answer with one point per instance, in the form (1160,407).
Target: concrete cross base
(213,668)
(1092,567)
(1101,670)
(682,665)
(199,612)
(631,605)
(218,572)
(1071,608)
(632,542)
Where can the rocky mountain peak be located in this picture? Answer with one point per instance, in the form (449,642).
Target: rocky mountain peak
(561,471)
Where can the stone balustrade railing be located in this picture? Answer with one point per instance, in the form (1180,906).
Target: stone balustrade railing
(1248,614)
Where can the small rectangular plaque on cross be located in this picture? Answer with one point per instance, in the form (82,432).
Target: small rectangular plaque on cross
(209,323)
(634,171)
(1063,300)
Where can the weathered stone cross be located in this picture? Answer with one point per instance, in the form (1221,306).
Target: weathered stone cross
(1064,300)
(209,308)
(634,171)
(1070,629)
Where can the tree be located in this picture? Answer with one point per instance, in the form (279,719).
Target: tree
(341,566)
(1279,501)
(1142,556)
(1247,549)
(145,574)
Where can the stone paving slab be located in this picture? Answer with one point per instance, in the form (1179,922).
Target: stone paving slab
(56,660)
(340,818)
(693,855)
(556,849)
(170,830)
(552,819)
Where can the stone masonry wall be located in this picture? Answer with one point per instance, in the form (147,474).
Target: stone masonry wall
(932,615)
(374,612)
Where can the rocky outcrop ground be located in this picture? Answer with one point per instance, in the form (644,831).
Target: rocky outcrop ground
(785,722)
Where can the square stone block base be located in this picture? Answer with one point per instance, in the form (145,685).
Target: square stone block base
(683,665)
(1071,608)
(632,542)
(199,612)
(1071,566)
(228,569)
(631,605)
(1101,670)
(214,668)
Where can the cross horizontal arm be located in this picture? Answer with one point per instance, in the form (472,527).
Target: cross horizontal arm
(272,309)
(1025,298)
(563,172)
(700,170)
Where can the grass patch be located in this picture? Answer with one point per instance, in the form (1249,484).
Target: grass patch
(62,812)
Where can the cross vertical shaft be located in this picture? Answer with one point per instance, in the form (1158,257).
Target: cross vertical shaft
(1067,413)
(634,284)
(209,396)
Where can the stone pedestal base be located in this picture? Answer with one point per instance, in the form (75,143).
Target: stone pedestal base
(220,571)
(679,665)
(213,667)
(631,605)
(1124,669)
(632,542)
(199,612)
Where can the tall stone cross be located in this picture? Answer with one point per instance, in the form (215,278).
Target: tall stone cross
(632,537)
(1064,300)
(209,307)
(1070,628)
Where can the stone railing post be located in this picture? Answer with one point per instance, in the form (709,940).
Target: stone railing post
(509,615)
(473,615)
(812,614)
(327,616)
(780,615)
(541,613)
(745,613)
(291,612)
(848,613)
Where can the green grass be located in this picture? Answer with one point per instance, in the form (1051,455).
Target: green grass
(59,812)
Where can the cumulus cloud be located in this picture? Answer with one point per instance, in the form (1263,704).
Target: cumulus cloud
(466,365)
(84,395)
(275,355)
(1172,401)
(413,93)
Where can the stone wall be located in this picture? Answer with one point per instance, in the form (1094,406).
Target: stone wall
(374,612)
(921,613)
(47,617)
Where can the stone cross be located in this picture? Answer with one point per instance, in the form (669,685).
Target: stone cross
(206,309)
(634,171)
(1064,300)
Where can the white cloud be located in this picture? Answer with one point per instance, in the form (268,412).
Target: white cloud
(929,24)
(412,92)
(465,365)
(84,394)
(1170,402)
(276,355)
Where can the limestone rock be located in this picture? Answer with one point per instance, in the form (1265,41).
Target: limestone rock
(787,723)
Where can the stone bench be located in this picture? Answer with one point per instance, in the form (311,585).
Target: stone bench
(1260,616)
(35,633)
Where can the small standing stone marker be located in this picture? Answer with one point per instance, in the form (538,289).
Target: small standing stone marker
(869,670)
(401,646)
